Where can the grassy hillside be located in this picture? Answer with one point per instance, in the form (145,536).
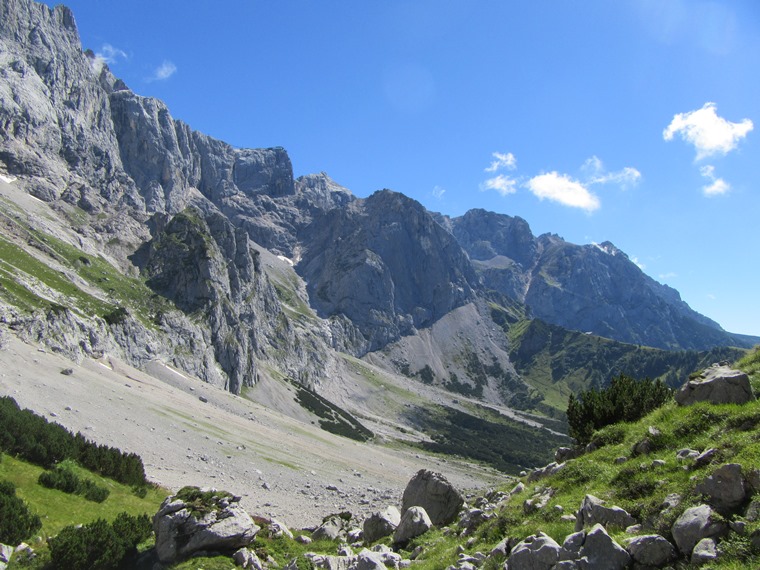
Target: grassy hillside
(557,362)
(637,484)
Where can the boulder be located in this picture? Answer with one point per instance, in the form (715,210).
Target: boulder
(593,512)
(5,555)
(414,522)
(214,522)
(381,524)
(725,488)
(537,552)
(706,550)
(247,559)
(333,527)
(695,524)
(718,384)
(431,491)
(368,560)
(651,550)
(538,501)
(601,552)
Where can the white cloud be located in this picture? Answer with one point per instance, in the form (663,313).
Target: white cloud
(709,133)
(638,263)
(164,71)
(594,169)
(666,276)
(717,185)
(438,192)
(504,185)
(109,55)
(563,189)
(502,160)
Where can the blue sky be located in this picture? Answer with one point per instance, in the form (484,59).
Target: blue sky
(632,121)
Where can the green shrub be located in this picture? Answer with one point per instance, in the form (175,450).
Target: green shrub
(624,400)
(63,478)
(99,545)
(16,522)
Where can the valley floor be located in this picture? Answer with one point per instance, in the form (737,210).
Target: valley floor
(190,433)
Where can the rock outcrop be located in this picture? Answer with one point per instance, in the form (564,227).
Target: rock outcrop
(201,521)
(718,384)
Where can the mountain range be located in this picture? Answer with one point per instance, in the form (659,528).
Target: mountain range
(125,231)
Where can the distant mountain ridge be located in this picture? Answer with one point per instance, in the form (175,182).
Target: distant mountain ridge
(203,224)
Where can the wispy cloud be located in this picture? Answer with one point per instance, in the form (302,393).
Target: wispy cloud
(502,161)
(438,192)
(709,133)
(502,183)
(564,190)
(163,71)
(107,55)
(596,173)
(717,186)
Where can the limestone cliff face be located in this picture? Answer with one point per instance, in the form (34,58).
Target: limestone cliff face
(591,288)
(190,211)
(386,265)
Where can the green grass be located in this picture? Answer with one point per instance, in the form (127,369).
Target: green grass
(635,485)
(58,509)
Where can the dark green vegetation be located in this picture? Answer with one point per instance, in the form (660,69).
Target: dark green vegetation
(558,362)
(201,502)
(100,544)
(332,418)
(624,400)
(33,438)
(505,444)
(64,478)
(16,522)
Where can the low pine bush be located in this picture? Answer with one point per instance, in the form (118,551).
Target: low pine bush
(16,522)
(63,478)
(624,400)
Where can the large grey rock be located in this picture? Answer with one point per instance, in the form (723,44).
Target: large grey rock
(651,550)
(414,522)
(381,524)
(537,552)
(718,384)
(695,524)
(435,494)
(601,552)
(592,511)
(725,488)
(182,530)
(368,560)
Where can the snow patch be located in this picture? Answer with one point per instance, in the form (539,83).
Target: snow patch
(8,179)
(285,259)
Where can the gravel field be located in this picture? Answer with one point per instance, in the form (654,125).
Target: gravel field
(190,433)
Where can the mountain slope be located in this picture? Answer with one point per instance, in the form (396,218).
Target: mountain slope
(592,288)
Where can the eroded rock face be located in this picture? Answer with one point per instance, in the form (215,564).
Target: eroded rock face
(201,521)
(435,494)
(719,384)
